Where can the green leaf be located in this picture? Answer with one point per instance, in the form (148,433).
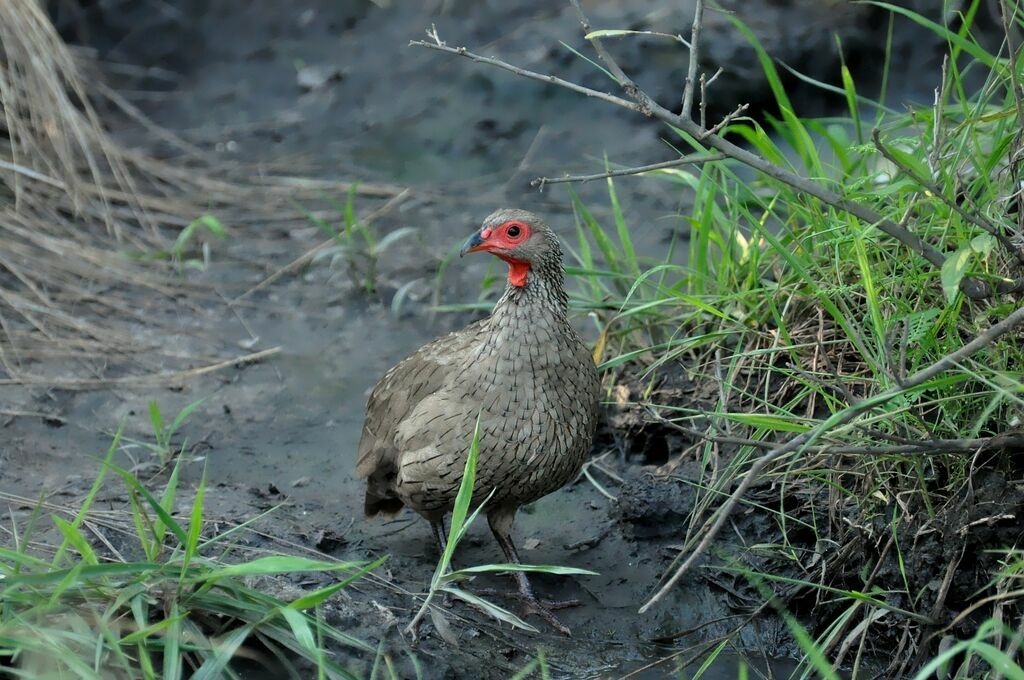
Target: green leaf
(959,41)
(83,510)
(277,564)
(182,415)
(317,596)
(611,33)
(625,242)
(195,524)
(300,628)
(213,225)
(1002,663)
(394,237)
(143,633)
(489,608)
(768,422)
(462,501)
(131,569)
(172,644)
(158,508)
(983,244)
(157,419)
(953,270)
(532,568)
(214,666)
(74,537)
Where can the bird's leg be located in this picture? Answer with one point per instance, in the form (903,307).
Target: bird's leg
(501,527)
(440,534)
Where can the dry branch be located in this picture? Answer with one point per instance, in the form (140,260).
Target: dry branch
(691,159)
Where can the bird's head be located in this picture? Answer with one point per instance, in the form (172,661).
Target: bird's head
(521,239)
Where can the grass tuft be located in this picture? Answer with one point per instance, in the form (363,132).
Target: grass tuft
(788,311)
(178,601)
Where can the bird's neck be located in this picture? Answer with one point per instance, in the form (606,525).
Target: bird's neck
(543,292)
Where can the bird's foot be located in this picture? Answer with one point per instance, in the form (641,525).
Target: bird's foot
(530,604)
(543,609)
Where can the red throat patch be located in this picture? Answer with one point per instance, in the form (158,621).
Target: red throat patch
(517,270)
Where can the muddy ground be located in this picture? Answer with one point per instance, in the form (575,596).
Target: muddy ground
(330,90)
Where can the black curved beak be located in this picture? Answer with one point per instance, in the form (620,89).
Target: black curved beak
(472,244)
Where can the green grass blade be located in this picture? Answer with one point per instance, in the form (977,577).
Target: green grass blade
(489,608)
(318,596)
(215,665)
(462,502)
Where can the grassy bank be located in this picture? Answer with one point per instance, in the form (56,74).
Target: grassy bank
(897,511)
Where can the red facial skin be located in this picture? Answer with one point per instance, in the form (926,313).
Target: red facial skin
(498,242)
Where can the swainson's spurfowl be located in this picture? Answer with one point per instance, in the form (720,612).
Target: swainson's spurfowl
(523,369)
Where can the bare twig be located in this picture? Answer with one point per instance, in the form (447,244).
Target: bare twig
(532,75)
(977,219)
(725,121)
(703,100)
(691,67)
(838,419)
(155,378)
(693,159)
(1008,441)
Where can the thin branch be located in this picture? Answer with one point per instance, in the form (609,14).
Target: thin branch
(725,121)
(973,287)
(1010,441)
(977,220)
(981,341)
(694,159)
(691,67)
(532,75)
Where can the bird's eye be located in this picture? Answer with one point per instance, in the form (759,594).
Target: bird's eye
(513,231)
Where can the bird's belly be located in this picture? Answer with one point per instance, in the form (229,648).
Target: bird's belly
(529,446)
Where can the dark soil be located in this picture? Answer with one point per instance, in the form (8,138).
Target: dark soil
(329,89)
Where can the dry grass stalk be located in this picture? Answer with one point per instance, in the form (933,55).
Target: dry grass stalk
(73,200)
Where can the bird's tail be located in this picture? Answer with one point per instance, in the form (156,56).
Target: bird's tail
(380,497)
(381,505)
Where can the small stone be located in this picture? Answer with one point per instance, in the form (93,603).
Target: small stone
(316,76)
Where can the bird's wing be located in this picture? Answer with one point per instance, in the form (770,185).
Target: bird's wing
(396,396)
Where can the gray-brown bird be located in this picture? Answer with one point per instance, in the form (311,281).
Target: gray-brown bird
(523,369)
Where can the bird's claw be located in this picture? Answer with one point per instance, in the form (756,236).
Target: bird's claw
(530,604)
(543,610)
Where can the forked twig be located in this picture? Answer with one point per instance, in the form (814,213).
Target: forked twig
(691,159)
(691,67)
(525,73)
